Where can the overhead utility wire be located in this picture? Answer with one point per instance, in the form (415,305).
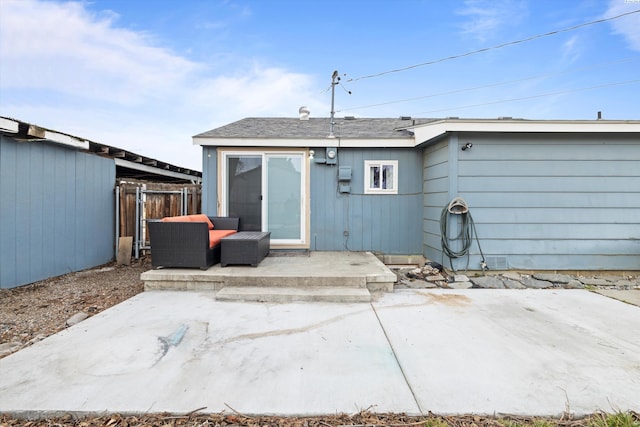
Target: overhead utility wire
(532,96)
(601,64)
(528,39)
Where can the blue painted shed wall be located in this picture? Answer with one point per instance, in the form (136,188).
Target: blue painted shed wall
(56,211)
(381,223)
(551,202)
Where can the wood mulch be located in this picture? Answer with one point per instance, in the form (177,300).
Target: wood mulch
(361,419)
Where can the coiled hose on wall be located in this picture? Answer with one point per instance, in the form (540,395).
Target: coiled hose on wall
(458,207)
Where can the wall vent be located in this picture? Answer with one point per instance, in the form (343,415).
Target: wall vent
(497,262)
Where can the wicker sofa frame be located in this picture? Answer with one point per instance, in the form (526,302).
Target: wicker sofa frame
(186,244)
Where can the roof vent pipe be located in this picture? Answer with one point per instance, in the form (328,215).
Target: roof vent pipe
(599,115)
(303,113)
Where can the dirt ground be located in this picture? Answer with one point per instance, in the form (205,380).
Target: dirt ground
(31,313)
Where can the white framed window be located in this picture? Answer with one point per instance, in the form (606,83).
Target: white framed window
(380,177)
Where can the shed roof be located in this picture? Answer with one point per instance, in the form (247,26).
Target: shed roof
(128,164)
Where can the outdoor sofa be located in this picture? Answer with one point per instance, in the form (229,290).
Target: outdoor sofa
(189,241)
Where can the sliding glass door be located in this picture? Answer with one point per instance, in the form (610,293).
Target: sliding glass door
(284,197)
(244,190)
(266,191)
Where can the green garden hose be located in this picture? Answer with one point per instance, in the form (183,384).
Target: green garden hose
(467,231)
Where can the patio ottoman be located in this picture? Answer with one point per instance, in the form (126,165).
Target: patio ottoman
(245,247)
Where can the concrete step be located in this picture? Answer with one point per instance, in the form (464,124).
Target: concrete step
(288,281)
(289,294)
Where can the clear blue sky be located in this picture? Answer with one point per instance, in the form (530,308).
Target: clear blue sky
(148,75)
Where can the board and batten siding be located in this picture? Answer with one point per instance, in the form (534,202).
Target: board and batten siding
(551,201)
(57,211)
(355,221)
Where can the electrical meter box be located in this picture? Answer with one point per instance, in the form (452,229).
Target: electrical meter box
(332,155)
(344,173)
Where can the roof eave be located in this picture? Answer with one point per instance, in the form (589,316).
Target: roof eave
(429,131)
(408,142)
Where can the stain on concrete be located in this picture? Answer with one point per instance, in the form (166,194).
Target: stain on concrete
(172,340)
(293,331)
(452,300)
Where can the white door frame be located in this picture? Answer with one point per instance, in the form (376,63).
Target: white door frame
(223,154)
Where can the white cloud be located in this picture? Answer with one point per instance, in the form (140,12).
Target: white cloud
(259,91)
(68,50)
(572,49)
(486,18)
(79,72)
(627,26)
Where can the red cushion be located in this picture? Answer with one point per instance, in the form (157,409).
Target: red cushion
(216,235)
(190,218)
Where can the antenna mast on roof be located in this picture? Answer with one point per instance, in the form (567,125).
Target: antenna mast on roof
(335,79)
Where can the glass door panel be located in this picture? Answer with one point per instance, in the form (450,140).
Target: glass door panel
(244,190)
(284,197)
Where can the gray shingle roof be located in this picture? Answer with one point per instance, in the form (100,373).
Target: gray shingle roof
(294,128)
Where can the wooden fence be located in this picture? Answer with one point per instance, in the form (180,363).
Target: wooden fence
(160,200)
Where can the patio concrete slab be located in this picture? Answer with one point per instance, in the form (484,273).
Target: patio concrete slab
(178,351)
(468,351)
(516,352)
(631,296)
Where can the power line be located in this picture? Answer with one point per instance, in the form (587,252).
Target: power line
(562,92)
(598,65)
(449,58)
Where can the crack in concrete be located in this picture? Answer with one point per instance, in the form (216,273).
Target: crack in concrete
(393,350)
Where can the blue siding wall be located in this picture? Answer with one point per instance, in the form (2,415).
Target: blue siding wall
(437,193)
(56,211)
(381,223)
(209,181)
(551,202)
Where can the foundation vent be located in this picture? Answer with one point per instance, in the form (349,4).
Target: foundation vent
(497,262)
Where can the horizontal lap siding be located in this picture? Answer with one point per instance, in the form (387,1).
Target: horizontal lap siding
(554,201)
(57,211)
(436,187)
(380,223)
